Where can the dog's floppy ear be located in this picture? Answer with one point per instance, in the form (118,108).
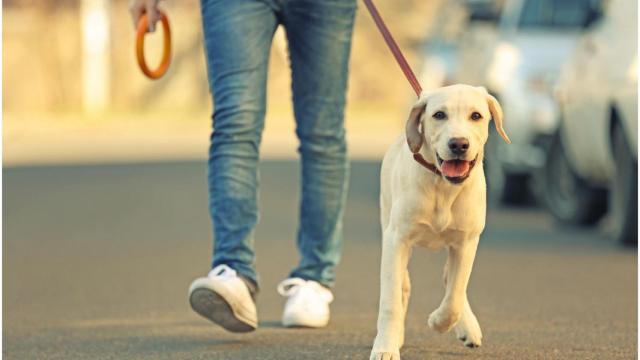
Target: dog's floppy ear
(412,128)
(496,114)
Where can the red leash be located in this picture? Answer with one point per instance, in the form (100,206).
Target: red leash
(393,46)
(406,69)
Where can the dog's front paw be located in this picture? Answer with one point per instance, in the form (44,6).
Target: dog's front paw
(443,319)
(384,355)
(384,350)
(468,331)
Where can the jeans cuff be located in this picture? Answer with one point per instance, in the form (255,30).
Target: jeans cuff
(305,276)
(251,285)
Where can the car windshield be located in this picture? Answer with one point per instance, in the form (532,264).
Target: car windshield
(554,13)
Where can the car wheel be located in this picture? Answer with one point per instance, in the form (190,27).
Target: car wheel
(570,199)
(624,190)
(507,189)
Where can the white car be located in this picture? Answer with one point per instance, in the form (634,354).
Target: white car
(594,154)
(462,27)
(535,37)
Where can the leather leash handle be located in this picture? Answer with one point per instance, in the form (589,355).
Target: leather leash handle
(143,25)
(393,46)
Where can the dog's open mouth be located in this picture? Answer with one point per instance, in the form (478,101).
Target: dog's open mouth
(456,170)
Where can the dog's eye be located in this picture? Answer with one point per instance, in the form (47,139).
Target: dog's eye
(476,116)
(439,115)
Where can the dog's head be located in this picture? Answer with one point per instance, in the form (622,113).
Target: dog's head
(453,124)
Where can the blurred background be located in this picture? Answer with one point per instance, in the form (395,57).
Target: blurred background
(105,198)
(70,71)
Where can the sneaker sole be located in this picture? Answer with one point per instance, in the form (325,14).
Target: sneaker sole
(214,307)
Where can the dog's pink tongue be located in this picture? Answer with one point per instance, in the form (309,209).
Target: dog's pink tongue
(455,168)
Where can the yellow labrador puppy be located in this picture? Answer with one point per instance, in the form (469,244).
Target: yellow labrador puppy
(433,194)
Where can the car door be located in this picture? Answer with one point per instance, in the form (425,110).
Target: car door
(585,105)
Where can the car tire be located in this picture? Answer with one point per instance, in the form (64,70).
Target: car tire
(516,190)
(569,198)
(623,200)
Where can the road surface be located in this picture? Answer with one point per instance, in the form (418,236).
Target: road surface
(97,262)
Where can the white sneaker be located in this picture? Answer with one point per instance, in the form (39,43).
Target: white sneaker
(224,298)
(308,303)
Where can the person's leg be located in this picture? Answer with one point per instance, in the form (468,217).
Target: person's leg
(319,34)
(238,38)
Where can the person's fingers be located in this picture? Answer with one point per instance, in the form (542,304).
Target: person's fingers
(152,14)
(136,9)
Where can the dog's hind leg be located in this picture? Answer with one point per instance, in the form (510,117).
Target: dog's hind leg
(458,270)
(468,329)
(406,291)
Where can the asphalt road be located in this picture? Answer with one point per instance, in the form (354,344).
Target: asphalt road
(97,261)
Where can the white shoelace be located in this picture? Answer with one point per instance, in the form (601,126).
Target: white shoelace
(223,271)
(294,286)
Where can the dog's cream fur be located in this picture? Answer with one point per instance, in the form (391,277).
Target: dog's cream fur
(419,207)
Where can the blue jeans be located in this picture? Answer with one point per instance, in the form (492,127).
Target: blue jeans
(238,35)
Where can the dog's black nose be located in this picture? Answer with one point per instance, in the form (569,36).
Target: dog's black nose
(458,146)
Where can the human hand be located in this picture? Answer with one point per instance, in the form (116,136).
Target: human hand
(149,7)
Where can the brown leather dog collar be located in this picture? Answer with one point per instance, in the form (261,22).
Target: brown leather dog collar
(429,166)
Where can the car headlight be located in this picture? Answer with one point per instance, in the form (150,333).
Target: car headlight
(505,60)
